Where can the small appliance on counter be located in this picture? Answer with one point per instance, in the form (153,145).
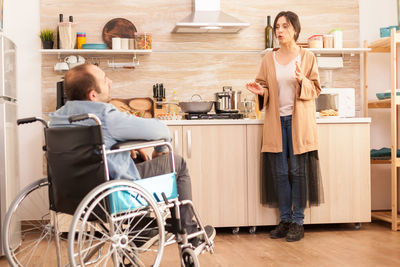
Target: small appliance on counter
(341,100)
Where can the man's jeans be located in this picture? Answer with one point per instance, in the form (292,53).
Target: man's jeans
(287,165)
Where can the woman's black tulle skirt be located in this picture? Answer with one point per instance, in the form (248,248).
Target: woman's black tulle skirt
(312,182)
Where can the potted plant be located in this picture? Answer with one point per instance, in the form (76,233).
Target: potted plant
(47,37)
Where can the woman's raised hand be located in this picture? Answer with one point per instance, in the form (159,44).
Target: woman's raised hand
(255,88)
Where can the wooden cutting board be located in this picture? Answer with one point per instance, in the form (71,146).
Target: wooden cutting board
(141,107)
(118,27)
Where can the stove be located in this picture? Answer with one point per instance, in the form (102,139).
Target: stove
(212,116)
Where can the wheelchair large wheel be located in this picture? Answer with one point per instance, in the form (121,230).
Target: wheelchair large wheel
(29,233)
(127,224)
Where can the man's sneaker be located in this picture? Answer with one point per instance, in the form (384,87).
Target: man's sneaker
(210,232)
(280,231)
(296,232)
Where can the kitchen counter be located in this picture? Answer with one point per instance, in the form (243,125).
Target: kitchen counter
(249,121)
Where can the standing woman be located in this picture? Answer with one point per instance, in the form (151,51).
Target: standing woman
(287,86)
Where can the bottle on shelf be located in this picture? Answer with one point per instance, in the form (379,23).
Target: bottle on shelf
(269,34)
(58,30)
(174,109)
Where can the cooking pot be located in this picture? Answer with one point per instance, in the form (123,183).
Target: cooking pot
(193,106)
(227,100)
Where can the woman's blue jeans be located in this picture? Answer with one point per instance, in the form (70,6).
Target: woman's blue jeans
(289,165)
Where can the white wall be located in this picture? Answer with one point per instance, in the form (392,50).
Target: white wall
(374,15)
(22,25)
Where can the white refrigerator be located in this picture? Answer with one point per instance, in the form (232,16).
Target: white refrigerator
(9,173)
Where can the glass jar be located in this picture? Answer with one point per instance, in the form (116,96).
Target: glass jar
(316,41)
(328,41)
(143,40)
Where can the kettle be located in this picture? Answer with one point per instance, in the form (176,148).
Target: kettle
(227,101)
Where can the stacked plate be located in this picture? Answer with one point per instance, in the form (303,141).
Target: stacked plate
(94,46)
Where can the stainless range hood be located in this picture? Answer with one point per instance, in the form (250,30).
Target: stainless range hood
(207,17)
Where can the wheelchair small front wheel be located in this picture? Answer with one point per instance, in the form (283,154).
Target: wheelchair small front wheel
(127,224)
(189,258)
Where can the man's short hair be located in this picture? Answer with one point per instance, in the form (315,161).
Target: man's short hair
(78,82)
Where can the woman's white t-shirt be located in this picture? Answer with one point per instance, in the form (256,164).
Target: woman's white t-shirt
(286,78)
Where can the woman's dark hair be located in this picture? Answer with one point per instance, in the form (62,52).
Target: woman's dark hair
(78,82)
(292,18)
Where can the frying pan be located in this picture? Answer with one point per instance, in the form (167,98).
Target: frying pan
(193,106)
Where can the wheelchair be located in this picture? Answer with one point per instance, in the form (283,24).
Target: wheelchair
(114,222)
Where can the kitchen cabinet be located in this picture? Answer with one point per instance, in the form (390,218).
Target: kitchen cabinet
(258,214)
(224,164)
(387,45)
(216,158)
(344,161)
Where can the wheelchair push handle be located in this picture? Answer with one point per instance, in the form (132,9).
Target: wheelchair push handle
(30,120)
(83,117)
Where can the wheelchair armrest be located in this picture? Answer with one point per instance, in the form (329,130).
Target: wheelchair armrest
(137,144)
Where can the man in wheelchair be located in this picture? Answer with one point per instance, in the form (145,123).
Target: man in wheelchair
(88,90)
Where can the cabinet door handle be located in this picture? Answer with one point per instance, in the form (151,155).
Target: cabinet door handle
(189,143)
(176,140)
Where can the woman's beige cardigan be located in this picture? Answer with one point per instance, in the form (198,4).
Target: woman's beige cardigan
(304,128)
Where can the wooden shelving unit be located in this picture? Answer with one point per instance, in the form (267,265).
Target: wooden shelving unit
(387,45)
(94,52)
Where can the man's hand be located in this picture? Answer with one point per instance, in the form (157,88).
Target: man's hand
(255,88)
(141,153)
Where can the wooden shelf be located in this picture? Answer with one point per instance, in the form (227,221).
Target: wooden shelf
(355,50)
(381,161)
(382,45)
(390,45)
(385,103)
(385,161)
(93,52)
(385,216)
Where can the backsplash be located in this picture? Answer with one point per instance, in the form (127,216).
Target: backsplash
(192,72)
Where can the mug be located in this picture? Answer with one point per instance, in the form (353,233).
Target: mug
(61,66)
(124,43)
(116,43)
(81,59)
(71,59)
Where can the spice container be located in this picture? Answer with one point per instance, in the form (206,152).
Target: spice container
(143,40)
(337,38)
(80,39)
(316,41)
(328,41)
